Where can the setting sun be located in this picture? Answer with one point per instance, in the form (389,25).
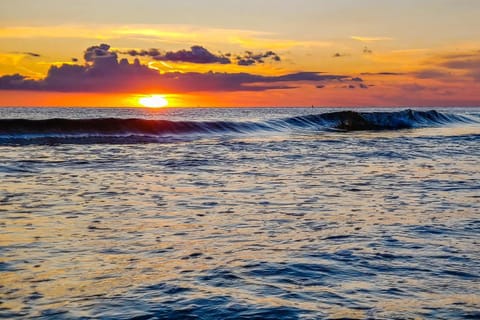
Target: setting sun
(153,101)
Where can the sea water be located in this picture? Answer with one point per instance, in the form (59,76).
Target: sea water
(260,213)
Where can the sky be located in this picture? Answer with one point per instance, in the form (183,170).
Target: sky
(240,53)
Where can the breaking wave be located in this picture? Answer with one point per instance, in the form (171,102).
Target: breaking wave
(117,130)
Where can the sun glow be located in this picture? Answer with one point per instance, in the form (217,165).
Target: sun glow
(153,101)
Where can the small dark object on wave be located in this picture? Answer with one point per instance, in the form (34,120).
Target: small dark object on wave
(354,121)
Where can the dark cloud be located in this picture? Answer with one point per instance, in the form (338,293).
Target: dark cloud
(74,59)
(199,54)
(463,55)
(246,62)
(415,87)
(132,78)
(28,53)
(339,55)
(320,86)
(367,50)
(357,79)
(250,58)
(17,81)
(308,76)
(102,72)
(102,58)
(99,52)
(468,62)
(381,74)
(32,54)
(153,52)
(196,54)
(347,86)
(431,74)
(362,86)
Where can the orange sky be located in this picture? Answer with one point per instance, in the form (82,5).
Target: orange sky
(217,53)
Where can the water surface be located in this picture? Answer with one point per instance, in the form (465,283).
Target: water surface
(275,214)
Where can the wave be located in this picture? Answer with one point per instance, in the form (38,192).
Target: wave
(116,130)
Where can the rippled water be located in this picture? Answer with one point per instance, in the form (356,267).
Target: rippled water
(284,224)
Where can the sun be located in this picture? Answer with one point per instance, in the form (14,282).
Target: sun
(153,101)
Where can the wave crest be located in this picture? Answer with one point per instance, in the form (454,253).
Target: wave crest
(143,130)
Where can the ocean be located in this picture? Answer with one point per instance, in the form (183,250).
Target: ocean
(240,213)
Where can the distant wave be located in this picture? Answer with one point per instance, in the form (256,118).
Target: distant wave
(116,130)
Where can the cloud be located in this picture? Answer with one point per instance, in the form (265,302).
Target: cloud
(12,82)
(432,74)
(381,74)
(414,87)
(28,53)
(133,77)
(250,58)
(201,55)
(367,50)
(100,55)
(462,55)
(153,52)
(32,54)
(370,39)
(165,33)
(467,63)
(339,55)
(102,72)
(162,32)
(196,54)
(352,86)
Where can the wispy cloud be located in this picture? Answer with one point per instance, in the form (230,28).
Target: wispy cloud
(383,73)
(30,54)
(432,74)
(165,33)
(467,62)
(370,39)
(15,61)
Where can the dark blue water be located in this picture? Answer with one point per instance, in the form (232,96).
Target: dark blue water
(239,213)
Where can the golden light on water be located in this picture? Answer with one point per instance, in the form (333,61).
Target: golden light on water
(153,101)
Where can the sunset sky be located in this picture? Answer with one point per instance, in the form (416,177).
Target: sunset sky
(240,53)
